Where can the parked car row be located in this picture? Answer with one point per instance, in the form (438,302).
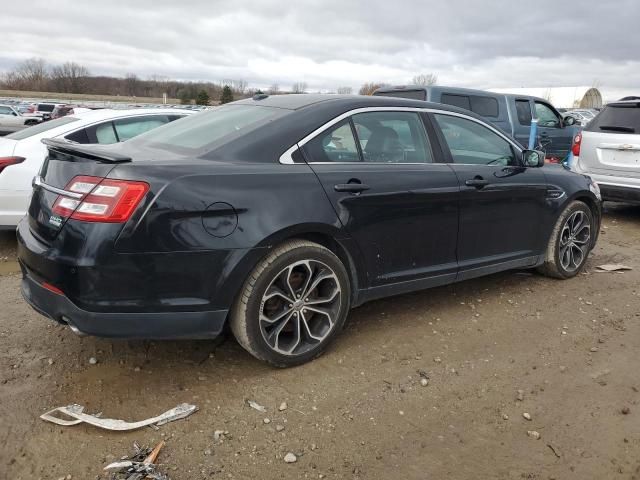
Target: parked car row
(11,120)
(276,215)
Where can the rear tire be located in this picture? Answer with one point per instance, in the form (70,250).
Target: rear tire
(570,242)
(292,305)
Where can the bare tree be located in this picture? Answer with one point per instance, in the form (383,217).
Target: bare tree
(31,74)
(370,87)
(69,77)
(274,89)
(131,84)
(425,79)
(345,90)
(299,87)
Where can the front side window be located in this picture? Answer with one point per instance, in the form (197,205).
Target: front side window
(546,116)
(392,137)
(336,144)
(523,109)
(471,143)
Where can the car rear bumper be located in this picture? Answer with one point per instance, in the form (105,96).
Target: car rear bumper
(616,193)
(154,325)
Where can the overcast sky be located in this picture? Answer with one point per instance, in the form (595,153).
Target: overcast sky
(327,43)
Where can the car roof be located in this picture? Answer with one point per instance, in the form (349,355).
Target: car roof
(347,102)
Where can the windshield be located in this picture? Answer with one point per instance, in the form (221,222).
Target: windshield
(40,128)
(201,133)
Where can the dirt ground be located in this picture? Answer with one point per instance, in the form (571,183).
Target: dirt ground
(358,412)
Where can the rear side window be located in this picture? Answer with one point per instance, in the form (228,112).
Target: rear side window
(392,137)
(484,106)
(120,130)
(617,118)
(461,101)
(412,94)
(337,144)
(127,128)
(43,107)
(523,109)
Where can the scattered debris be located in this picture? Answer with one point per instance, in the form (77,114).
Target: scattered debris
(140,465)
(625,410)
(563,369)
(593,349)
(279,428)
(505,416)
(526,416)
(93,360)
(76,412)
(533,434)
(50,361)
(520,396)
(290,458)
(611,267)
(424,382)
(219,435)
(437,359)
(266,421)
(256,406)
(555,450)
(282,407)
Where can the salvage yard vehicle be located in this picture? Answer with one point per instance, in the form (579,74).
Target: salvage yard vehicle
(11,120)
(511,113)
(608,150)
(278,214)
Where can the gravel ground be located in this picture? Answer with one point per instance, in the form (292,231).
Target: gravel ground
(566,353)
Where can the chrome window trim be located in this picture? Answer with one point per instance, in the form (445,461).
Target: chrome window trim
(287,159)
(38,182)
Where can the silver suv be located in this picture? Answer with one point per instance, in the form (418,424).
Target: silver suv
(608,150)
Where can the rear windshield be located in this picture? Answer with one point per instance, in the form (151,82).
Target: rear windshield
(201,133)
(41,127)
(412,94)
(617,118)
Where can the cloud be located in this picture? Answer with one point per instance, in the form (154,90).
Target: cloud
(333,43)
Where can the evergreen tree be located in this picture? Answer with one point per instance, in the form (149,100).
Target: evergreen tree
(202,98)
(227,95)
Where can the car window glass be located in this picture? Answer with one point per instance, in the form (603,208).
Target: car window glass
(546,117)
(79,137)
(523,109)
(335,144)
(461,101)
(484,106)
(392,137)
(471,143)
(105,134)
(127,128)
(620,118)
(412,94)
(5,111)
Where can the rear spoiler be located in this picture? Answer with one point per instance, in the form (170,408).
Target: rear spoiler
(95,152)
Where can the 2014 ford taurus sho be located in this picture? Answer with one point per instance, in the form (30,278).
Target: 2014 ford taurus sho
(278,214)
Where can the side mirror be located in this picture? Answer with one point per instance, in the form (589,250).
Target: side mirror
(569,121)
(533,158)
(14,114)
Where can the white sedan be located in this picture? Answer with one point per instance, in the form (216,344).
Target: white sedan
(22,153)
(11,120)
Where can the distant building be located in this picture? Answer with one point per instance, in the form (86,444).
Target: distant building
(561,97)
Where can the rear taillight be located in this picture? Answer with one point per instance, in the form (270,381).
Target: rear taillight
(104,199)
(575,149)
(8,161)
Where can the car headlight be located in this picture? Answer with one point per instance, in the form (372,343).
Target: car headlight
(595,189)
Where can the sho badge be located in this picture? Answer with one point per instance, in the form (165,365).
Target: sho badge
(55,220)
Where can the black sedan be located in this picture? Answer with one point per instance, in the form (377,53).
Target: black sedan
(278,214)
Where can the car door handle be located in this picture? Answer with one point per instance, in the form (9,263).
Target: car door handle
(351,187)
(477,182)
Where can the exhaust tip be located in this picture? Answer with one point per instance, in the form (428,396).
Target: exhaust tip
(73,328)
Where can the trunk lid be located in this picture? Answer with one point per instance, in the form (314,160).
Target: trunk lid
(611,153)
(64,162)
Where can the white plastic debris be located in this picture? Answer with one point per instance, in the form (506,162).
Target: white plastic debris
(76,412)
(256,406)
(613,268)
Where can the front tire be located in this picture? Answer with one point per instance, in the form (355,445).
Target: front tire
(570,242)
(292,305)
